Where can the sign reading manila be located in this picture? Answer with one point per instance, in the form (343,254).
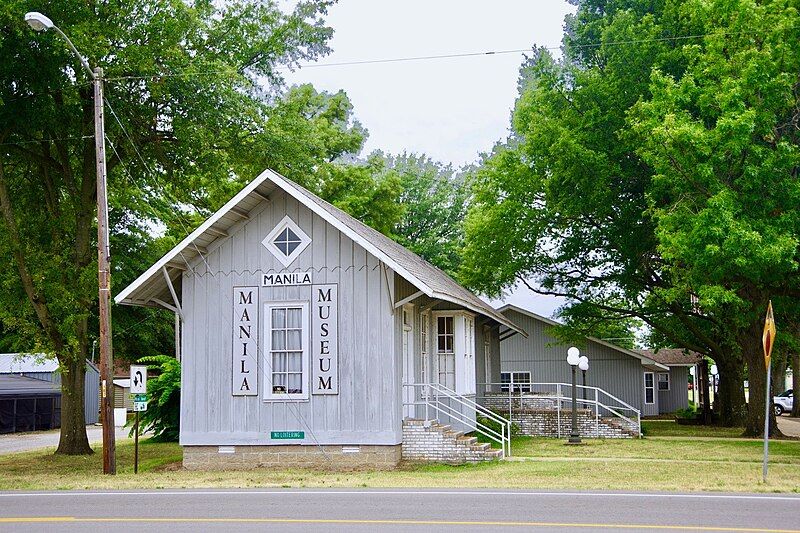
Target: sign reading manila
(245,341)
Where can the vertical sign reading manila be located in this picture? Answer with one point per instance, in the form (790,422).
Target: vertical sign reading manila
(325,339)
(245,341)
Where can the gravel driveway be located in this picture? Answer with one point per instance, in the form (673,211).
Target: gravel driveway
(22,442)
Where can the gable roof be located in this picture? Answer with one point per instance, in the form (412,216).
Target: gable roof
(631,353)
(423,275)
(23,363)
(673,356)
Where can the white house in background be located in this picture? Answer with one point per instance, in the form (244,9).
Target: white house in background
(651,382)
(309,338)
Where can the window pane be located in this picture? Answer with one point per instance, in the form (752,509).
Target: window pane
(294,317)
(648,380)
(290,247)
(278,383)
(294,340)
(278,340)
(295,383)
(295,362)
(648,395)
(448,343)
(279,362)
(278,318)
(441,343)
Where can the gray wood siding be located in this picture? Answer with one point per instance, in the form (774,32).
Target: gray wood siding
(545,358)
(677,397)
(367,409)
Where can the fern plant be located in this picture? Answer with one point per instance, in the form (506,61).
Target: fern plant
(162,416)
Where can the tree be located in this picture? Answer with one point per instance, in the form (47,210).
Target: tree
(196,86)
(607,191)
(434,198)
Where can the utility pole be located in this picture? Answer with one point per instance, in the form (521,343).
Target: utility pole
(104,281)
(40,22)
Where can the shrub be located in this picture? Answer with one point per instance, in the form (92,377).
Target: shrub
(162,416)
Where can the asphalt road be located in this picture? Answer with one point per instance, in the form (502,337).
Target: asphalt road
(395,510)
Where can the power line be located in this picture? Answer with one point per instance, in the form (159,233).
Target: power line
(456,55)
(39,141)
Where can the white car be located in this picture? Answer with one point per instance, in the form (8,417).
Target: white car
(783,402)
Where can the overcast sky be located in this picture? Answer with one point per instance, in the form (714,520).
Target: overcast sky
(450,109)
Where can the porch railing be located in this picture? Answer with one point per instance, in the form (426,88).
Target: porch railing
(558,397)
(440,401)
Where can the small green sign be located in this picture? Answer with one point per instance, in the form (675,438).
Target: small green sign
(139,397)
(287,435)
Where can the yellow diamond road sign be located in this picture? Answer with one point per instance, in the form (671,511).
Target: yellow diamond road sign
(768,338)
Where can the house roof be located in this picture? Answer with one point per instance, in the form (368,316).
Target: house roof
(11,385)
(673,356)
(27,363)
(152,284)
(648,361)
(23,363)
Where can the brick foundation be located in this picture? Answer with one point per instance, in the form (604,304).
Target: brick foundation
(545,423)
(291,456)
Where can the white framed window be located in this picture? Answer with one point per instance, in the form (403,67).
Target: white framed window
(286,368)
(445,350)
(515,381)
(649,388)
(663,381)
(286,241)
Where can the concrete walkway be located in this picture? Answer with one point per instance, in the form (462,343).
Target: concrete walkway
(789,426)
(37,440)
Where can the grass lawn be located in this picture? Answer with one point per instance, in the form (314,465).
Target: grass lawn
(670,428)
(538,463)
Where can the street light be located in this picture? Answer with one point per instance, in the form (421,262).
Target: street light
(583,364)
(573,358)
(40,22)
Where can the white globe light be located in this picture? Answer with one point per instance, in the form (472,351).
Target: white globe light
(691,370)
(573,356)
(583,363)
(37,21)
(714,370)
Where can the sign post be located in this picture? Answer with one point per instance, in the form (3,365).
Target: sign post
(139,396)
(768,340)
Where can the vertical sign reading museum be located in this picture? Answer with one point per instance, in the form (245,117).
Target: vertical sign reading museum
(245,341)
(325,339)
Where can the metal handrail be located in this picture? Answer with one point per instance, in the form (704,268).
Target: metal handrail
(559,397)
(449,411)
(432,399)
(504,439)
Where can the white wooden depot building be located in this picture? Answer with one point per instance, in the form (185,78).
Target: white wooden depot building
(307,337)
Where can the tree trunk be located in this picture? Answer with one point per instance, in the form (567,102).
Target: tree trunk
(73,439)
(796,383)
(730,405)
(753,354)
(705,393)
(779,373)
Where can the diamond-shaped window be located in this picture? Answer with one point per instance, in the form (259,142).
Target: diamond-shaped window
(286,241)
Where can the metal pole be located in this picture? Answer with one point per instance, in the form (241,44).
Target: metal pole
(766,425)
(584,387)
(136,446)
(104,279)
(574,436)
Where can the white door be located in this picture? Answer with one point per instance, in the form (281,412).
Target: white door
(408,361)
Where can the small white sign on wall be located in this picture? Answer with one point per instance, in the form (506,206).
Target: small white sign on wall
(325,339)
(245,341)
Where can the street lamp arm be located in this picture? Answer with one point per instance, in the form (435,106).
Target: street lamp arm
(84,62)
